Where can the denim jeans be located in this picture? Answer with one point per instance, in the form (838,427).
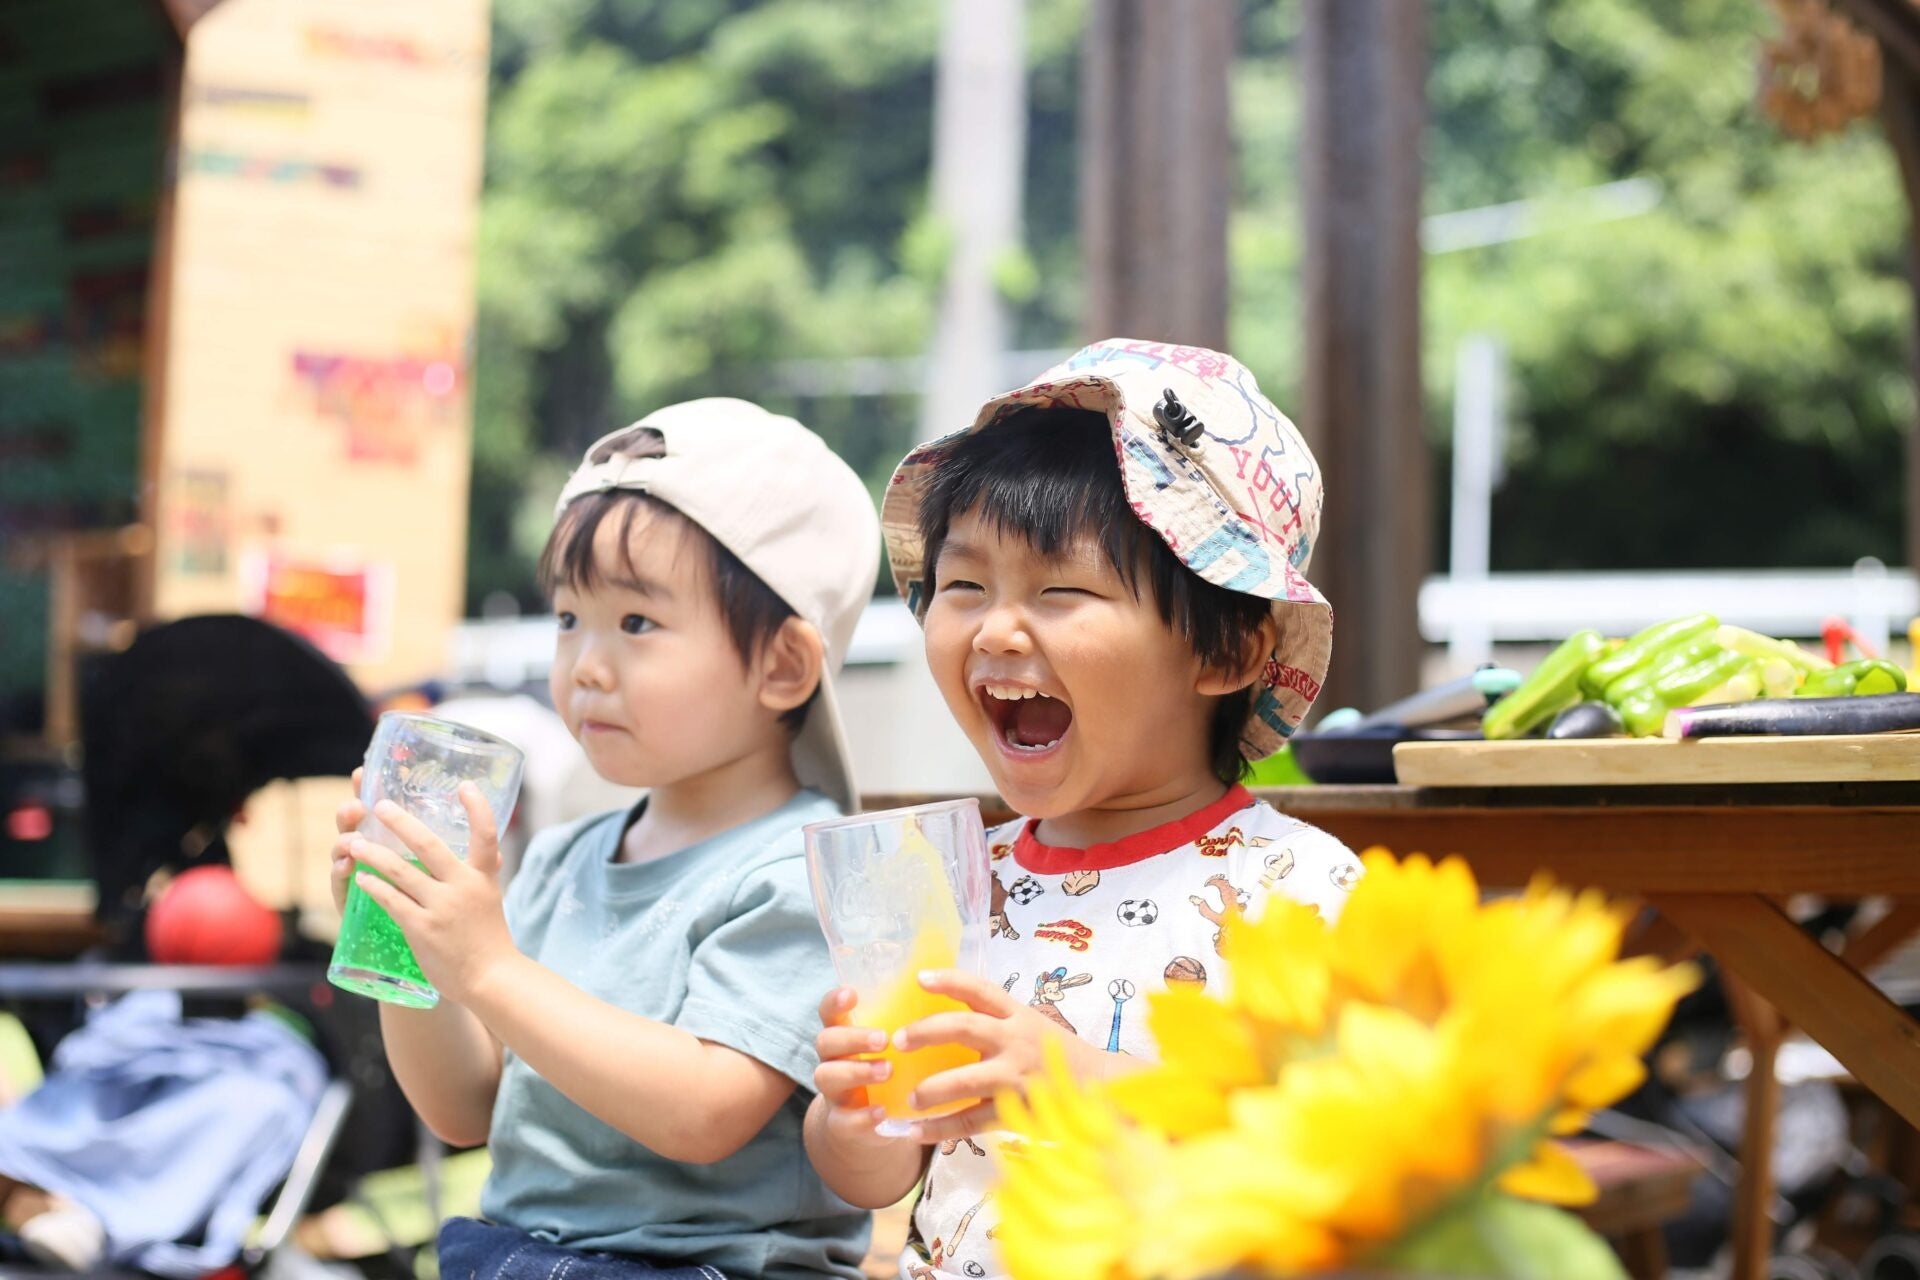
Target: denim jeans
(475,1250)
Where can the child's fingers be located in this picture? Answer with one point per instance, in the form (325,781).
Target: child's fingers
(337,880)
(855,1124)
(403,875)
(975,1082)
(843,1083)
(836,1006)
(426,846)
(483,837)
(348,817)
(848,1042)
(971,990)
(974,1031)
(973,1121)
(404,910)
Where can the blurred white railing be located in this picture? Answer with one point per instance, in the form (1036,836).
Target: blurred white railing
(1503,608)
(1533,607)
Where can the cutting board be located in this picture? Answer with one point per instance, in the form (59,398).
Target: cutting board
(1641,762)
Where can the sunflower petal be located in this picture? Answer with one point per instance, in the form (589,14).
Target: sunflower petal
(1550,1175)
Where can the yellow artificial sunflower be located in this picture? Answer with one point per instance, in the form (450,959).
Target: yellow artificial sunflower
(1356,1090)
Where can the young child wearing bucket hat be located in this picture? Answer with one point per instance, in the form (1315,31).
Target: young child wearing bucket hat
(631,1031)
(1109,565)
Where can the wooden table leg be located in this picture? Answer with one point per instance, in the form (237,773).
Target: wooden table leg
(1753,1202)
(1811,987)
(1771,964)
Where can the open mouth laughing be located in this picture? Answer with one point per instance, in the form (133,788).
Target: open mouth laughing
(1025,720)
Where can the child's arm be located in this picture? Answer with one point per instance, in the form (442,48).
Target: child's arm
(857,1164)
(682,1097)
(446,1063)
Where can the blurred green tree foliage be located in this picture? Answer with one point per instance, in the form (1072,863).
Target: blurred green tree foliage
(696,197)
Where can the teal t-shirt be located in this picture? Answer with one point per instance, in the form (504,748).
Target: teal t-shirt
(719,940)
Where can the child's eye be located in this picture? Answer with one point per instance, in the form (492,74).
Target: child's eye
(636,624)
(565,619)
(1065,591)
(959,584)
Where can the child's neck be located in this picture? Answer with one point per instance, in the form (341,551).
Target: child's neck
(684,813)
(1121,816)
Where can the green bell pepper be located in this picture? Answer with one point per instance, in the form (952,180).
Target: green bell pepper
(1643,648)
(1867,676)
(1662,664)
(1645,711)
(1552,688)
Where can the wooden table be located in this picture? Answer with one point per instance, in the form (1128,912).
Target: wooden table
(47,918)
(1717,861)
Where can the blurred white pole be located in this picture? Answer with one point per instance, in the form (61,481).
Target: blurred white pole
(1870,620)
(979,159)
(1479,435)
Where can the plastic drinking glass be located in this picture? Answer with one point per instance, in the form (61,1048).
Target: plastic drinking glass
(899,892)
(418,762)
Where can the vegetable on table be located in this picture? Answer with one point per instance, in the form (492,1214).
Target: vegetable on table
(1587,720)
(1755,645)
(1872,713)
(1646,710)
(1552,688)
(1643,647)
(1594,687)
(1867,676)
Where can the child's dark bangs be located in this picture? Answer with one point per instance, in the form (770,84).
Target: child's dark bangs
(1047,476)
(568,559)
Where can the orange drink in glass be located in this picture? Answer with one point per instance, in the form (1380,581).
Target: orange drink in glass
(898,893)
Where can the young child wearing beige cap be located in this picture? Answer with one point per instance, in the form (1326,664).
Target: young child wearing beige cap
(624,1029)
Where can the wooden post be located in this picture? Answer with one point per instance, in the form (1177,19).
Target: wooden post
(1753,1205)
(1365,76)
(1156,170)
(1900,116)
(1896,25)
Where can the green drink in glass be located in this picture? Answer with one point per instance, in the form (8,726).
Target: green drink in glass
(418,762)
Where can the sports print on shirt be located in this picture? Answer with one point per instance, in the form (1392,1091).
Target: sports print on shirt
(1085,945)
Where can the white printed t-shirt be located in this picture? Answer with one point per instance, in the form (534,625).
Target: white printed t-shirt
(1082,935)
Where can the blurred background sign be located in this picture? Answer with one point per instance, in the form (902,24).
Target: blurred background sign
(310,445)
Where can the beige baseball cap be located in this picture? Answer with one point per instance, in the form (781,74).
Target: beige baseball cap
(771,492)
(1211,466)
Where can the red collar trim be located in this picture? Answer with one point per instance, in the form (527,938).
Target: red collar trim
(1053,860)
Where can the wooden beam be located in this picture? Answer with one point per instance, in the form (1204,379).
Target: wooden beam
(1900,117)
(1156,170)
(1365,77)
(1874,943)
(1814,989)
(1655,850)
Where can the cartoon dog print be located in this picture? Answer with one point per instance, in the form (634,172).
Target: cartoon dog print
(1232,902)
(998,926)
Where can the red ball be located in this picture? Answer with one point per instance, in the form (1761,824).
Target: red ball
(205,917)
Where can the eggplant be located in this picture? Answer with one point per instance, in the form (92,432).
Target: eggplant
(1869,713)
(1587,720)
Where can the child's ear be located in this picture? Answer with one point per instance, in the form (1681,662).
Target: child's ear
(791,665)
(1215,681)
